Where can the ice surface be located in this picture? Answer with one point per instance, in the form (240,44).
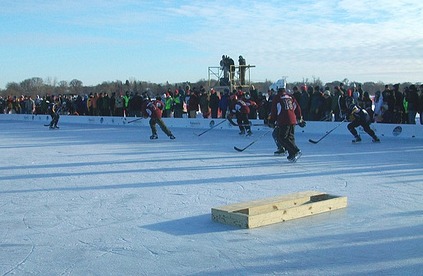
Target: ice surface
(99,200)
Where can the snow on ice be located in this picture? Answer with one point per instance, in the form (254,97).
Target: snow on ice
(105,200)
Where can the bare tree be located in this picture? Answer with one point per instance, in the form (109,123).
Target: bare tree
(13,89)
(76,86)
(33,86)
(62,87)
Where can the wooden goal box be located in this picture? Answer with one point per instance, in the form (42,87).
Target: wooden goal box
(267,211)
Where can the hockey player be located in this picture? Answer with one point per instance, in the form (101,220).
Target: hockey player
(358,117)
(275,135)
(153,109)
(241,110)
(285,112)
(53,110)
(280,150)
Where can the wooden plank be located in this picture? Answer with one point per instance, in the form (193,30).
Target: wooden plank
(236,219)
(268,201)
(277,209)
(304,210)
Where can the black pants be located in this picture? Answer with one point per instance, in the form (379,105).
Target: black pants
(286,137)
(54,119)
(243,122)
(275,136)
(366,127)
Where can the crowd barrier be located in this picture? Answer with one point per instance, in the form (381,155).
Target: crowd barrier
(317,128)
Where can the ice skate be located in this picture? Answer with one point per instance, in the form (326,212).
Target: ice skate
(376,140)
(280,151)
(294,158)
(357,139)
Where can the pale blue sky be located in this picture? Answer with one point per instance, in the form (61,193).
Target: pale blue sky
(176,41)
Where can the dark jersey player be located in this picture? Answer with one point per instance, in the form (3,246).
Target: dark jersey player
(53,110)
(240,110)
(358,117)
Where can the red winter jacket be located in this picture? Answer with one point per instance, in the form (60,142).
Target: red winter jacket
(152,109)
(239,107)
(285,109)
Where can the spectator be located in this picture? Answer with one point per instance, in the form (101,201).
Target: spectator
(327,106)
(261,107)
(242,68)
(420,104)
(178,104)
(168,103)
(267,103)
(186,100)
(105,108)
(398,105)
(412,99)
(119,106)
(296,94)
(135,105)
(316,103)
(99,104)
(126,99)
(379,109)
(224,103)
(338,93)
(204,102)
(254,94)
(79,106)
(194,101)
(29,105)
(90,105)
(2,105)
(214,103)
(305,102)
(388,105)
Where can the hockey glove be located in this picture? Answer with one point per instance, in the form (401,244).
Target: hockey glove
(302,123)
(271,123)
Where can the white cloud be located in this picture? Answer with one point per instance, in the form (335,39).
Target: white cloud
(327,39)
(348,36)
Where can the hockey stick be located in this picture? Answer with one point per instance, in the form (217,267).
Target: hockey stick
(207,130)
(135,120)
(253,142)
(250,125)
(327,133)
(244,125)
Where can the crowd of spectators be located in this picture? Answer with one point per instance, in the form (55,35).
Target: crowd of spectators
(392,105)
